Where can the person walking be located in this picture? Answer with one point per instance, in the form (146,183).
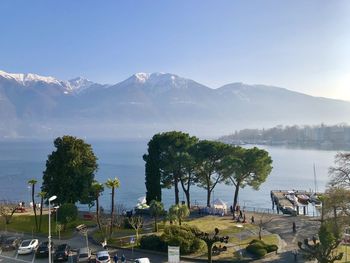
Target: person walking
(123,258)
(294,227)
(116,258)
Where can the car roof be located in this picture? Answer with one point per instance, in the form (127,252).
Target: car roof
(103,252)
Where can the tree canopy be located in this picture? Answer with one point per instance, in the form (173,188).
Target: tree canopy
(70,171)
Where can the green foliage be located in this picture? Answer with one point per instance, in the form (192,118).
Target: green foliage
(67,213)
(178,213)
(325,250)
(259,248)
(153,242)
(70,171)
(183,237)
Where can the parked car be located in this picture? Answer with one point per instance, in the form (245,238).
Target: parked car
(28,246)
(43,249)
(84,254)
(62,252)
(11,243)
(103,257)
(142,260)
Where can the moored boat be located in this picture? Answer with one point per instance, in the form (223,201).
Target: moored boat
(303,199)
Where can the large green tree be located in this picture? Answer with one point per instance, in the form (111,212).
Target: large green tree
(169,163)
(242,167)
(70,170)
(179,212)
(152,170)
(208,156)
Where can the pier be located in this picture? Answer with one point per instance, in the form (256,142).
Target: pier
(293,202)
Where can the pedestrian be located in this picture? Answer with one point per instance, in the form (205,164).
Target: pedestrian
(240,214)
(294,228)
(123,258)
(244,218)
(252,220)
(314,240)
(295,254)
(116,258)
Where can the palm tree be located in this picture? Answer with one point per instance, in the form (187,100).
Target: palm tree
(32,182)
(97,189)
(112,184)
(42,196)
(179,212)
(156,209)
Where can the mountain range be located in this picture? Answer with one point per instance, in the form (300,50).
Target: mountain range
(33,106)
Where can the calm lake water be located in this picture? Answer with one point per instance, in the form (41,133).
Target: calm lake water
(22,161)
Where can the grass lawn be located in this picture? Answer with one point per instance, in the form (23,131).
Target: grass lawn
(24,223)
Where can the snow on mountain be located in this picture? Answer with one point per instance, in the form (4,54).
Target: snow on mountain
(29,77)
(79,84)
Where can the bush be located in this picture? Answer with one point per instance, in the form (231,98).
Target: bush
(259,249)
(183,237)
(152,242)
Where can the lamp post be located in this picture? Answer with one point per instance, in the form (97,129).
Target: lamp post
(56,211)
(49,246)
(240,239)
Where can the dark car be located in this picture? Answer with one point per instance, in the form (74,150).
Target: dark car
(62,252)
(43,249)
(10,243)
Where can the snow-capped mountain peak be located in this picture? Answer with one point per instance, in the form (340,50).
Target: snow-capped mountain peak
(29,77)
(79,84)
(142,77)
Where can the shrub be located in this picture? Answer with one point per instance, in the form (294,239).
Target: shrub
(152,242)
(183,237)
(259,249)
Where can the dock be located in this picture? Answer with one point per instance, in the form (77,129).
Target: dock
(293,202)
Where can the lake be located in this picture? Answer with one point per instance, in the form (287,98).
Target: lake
(21,161)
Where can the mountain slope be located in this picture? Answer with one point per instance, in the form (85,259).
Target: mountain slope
(33,106)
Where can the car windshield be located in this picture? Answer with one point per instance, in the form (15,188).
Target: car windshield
(103,257)
(44,245)
(25,243)
(62,247)
(9,241)
(84,255)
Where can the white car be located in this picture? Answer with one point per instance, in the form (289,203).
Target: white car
(28,246)
(103,257)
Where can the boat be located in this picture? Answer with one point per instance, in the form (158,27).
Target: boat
(303,199)
(314,199)
(292,197)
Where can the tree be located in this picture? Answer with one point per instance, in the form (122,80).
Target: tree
(70,170)
(96,191)
(325,250)
(341,172)
(7,209)
(112,184)
(210,240)
(32,182)
(166,166)
(152,170)
(136,223)
(67,213)
(156,209)
(208,156)
(242,167)
(42,196)
(179,212)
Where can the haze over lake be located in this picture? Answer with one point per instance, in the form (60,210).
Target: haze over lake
(21,161)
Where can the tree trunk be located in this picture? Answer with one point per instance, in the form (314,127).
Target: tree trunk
(34,207)
(155,224)
(41,212)
(176,186)
(112,215)
(235,198)
(208,197)
(98,214)
(210,250)
(187,194)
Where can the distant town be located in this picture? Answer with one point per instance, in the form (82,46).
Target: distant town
(328,137)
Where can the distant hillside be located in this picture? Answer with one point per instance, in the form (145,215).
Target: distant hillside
(336,137)
(37,106)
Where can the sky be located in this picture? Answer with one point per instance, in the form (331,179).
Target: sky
(300,45)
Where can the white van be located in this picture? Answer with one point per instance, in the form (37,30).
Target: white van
(142,260)
(84,254)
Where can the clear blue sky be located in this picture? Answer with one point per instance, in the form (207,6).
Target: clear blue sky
(300,45)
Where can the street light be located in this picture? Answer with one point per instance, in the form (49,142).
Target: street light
(56,211)
(49,246)
(240,239)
